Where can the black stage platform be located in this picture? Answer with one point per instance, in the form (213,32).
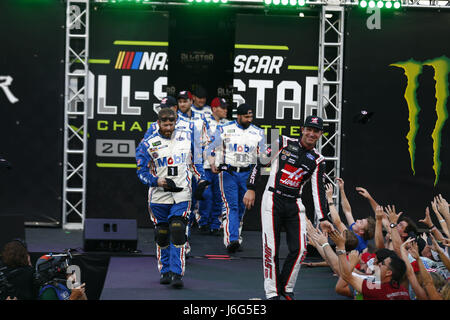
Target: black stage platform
(211,274)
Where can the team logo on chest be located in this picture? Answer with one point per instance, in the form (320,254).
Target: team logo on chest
(291,176)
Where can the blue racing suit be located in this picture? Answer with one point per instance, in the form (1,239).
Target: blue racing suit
(240,148)
(161,157)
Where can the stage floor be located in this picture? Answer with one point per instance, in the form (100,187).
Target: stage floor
(134,276)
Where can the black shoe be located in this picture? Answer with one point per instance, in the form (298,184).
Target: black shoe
(177,281)
(288,295)
(166,278)
(233,246)
(274,298)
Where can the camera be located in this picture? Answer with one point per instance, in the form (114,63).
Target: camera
(6,289)
(52,267)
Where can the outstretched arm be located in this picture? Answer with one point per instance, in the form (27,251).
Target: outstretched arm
(395,235)
(333,211)
(418,290)
(344,266)
(442,221)
(379,239)
(344,203)
(429,223)
(427,281)
(444,209)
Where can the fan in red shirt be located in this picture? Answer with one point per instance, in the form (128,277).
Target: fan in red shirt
(389,272)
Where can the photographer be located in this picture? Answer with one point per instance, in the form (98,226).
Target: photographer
(19,272)
(54,279)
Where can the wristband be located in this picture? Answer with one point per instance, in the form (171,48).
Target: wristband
(442,220)
(325,244)
(429,228)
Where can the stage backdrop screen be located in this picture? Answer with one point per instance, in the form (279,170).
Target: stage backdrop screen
(397,70)
(31,108)
(275,71)
(128,65)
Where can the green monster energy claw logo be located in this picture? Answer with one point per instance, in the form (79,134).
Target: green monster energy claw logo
(412,71)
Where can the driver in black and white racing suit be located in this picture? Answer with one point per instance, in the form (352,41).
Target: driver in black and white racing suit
(296,162)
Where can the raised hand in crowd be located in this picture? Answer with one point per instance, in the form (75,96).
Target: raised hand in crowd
(412,279)
(441,219)
(444,258)
(344,202)
(333,210)
(427,280)
(363,192)
(395,235)
(379,216)
(354,258)
(429,223)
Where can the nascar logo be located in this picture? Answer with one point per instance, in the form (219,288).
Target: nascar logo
(138,60)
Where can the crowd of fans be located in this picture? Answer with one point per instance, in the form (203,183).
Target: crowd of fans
(385,256)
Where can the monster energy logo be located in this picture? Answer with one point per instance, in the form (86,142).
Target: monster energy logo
(412,71)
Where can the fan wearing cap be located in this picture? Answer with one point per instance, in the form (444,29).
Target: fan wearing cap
(293,163)
(166,167)
(210,209)
(240,143)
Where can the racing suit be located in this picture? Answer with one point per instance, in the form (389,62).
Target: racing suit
(291,167)
(161,157)
(202,134)
(240,148)
(210,208)
(205,110)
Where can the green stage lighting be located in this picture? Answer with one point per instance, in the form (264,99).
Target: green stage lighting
(293,2)
(397,5)
(276,2)
(371,4)
(284,2)
(388,4)
(268,2)
(301,2)
(380,4)
(363,3)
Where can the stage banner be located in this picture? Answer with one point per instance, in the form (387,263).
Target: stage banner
(275,70)
(395,133)
(31,109)
(128,75)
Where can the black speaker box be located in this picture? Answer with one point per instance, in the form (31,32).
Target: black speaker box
(118,235)
(11,227)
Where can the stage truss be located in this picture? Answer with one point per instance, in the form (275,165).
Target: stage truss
(330,78)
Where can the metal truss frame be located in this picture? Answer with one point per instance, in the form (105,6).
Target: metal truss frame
(330,82)
(75,114)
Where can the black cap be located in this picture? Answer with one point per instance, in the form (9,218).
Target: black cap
(184,95)
(168,102)
(199,92)
(421,244)
(384,253)
(314,122)
(244,109)
(219,102)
